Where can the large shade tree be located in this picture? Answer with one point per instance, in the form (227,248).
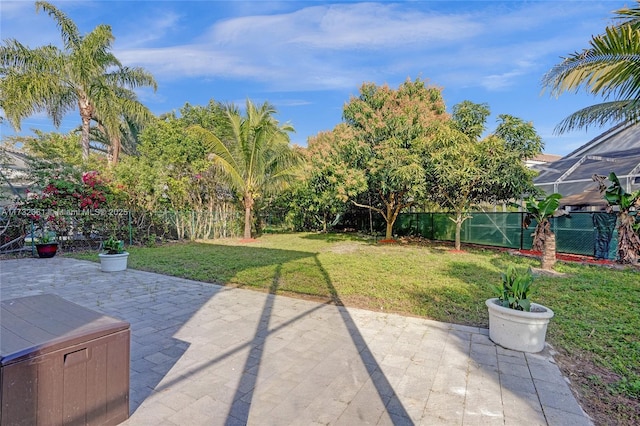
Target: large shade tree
(388,138)
(609,67)
(464,169)
(84,74)
(258,159)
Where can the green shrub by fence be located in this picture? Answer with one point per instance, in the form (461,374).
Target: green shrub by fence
(86,229)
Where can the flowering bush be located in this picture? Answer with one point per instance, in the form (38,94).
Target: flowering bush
(70,203)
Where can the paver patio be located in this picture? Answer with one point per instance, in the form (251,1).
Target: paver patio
(203,354)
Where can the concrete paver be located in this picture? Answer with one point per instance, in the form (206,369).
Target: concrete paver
(203,354)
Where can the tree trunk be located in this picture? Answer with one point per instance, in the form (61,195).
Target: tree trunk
(458,230)
(115,150)
(549,252)
(390,218)
(86,112)
(248,205)
(628,239)
(389,231)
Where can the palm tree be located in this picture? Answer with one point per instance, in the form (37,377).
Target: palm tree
(258,161)
(118,132)
(610,67)
(85,74)
(544,240)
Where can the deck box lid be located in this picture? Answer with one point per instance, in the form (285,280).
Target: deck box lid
(32,326)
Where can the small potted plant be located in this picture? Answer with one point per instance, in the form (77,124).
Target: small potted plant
(514,321)
(114,258)
(46,244)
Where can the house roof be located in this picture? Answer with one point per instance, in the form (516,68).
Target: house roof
(546,158)
(590,197)
(616,150)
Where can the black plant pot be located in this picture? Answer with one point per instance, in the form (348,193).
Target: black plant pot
(47,250)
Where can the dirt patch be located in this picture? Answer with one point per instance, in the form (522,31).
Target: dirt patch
(345,248)
(548,273)
(591,384)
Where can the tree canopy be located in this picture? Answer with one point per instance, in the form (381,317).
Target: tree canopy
(83,75)
(464,170)
(387,139)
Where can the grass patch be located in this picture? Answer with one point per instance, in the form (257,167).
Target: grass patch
(597,309)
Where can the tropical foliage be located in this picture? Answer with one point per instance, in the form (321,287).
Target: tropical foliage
(396,148)
(320,199)
(628,204)
(258,161)
(514,291)
(609,67)
(543,237)
(66,201)
(173,173)
(84,75)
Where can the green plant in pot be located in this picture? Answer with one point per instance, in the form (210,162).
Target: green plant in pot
(514,321)
(514,292)
(114,257)
(47,244)
(113,246)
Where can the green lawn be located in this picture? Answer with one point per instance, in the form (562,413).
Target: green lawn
(597,309)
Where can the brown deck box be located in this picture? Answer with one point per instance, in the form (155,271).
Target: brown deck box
(62,364)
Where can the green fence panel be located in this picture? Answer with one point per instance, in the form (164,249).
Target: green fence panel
(443,228)
(424,225)
(493,229)
(575,234)
(406,224)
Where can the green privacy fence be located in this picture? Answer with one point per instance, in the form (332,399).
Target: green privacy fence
(584,233)
(589,233)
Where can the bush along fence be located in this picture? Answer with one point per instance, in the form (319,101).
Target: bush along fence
(582,233)
(86,229)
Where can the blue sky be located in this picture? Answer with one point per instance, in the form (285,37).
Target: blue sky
(308,58)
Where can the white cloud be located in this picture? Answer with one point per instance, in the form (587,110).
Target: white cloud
(500,81)
(368,26)
(150,28)
(340,45)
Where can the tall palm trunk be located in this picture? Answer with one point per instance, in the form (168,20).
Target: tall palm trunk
(248,206)
(86,112)
(115,148)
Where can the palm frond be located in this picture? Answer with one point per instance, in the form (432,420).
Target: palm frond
(611,67)
(68,29)
(222,158)
(600,115)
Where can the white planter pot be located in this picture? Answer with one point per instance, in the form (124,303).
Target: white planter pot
(518,330)
(113,262)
